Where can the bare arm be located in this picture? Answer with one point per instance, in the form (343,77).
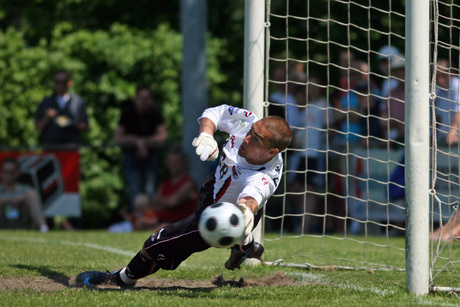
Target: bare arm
(250,202)
(41,124)
(207,125)
(82,126)
(452,136)
(122,138)
(159,138)
(176,200)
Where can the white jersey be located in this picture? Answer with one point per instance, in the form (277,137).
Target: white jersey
(235,177)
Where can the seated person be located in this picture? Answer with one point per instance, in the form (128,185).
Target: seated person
(175,199)
(20,205)
(142,217)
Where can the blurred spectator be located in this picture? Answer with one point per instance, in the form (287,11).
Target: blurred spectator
(61,117)
(306,162)
(346,60)
(176,198)
(369,110)
(141,133)
(447,102)
(282,95)
(355,106)
(393,108)
(386,55)
(20,204)
(142,217)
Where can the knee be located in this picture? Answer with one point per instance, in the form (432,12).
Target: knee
(141,201)
(32,196)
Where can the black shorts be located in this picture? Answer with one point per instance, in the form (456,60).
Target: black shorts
(174,243)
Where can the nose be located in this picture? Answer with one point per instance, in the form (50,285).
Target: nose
(246,139)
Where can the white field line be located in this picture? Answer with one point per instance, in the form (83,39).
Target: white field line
(321,278)
(109,249)
(70,243)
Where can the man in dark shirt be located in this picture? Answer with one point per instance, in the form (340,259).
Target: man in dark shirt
(61,117)
(140,132)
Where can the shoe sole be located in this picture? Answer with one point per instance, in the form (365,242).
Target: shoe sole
(83,278)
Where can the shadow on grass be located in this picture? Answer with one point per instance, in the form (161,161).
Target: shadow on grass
(46,272)
(162,289)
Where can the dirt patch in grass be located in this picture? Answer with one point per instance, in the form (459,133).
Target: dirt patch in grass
(45,284)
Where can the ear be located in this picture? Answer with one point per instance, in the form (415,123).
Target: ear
(273,152)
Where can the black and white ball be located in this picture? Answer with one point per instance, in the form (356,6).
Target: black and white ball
(222,225)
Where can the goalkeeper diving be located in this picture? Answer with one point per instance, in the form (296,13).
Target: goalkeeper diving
(249,171)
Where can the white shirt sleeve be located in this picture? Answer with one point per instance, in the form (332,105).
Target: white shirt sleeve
(260,187)
(229,119)
(455,91)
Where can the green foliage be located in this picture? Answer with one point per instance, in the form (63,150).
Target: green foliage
(107,67)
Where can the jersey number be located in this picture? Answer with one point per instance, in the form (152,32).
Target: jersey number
(223,167)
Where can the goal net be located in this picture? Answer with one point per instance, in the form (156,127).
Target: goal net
(336,72)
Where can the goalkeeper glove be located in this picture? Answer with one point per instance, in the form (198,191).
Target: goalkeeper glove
(248,219)
(206,147)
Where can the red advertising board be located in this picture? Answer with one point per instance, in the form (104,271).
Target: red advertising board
(55,175)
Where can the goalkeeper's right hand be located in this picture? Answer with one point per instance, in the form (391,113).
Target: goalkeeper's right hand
(206,147)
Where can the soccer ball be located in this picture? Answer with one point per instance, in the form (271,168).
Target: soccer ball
(222,225)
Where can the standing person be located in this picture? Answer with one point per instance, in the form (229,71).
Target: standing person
(249,172)
(281,99)
(20,205)
(447,102)
(306,162)
(140,133)
(61,117)
(386,55)
(392,110)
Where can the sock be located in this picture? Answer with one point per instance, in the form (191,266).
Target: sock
(248,240)
(138,268)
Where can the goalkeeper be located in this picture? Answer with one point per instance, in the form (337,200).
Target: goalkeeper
(248,173)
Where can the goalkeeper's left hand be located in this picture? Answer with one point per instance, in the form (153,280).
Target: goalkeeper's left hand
(248,219)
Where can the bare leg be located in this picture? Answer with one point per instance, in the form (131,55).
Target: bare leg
(35,208)
(311,207)
(450,230)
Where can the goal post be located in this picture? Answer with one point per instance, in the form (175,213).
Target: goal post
(417,152)
(254,64)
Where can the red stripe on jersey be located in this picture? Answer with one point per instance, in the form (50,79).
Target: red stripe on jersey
(224,188)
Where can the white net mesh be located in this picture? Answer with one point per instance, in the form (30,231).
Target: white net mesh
(336,73)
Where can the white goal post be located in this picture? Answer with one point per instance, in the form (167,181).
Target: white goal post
(417,132)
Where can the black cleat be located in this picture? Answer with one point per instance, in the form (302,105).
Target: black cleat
(92,279)
(238,254)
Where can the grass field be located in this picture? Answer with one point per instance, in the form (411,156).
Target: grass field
(37,269)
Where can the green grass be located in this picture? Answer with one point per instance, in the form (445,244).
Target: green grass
(58,256)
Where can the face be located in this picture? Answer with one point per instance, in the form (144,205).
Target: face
(255,148)
(61,84)
(442,77)
(143,100)
(176,164)
(10,173)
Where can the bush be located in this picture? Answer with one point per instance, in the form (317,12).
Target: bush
(107,67)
